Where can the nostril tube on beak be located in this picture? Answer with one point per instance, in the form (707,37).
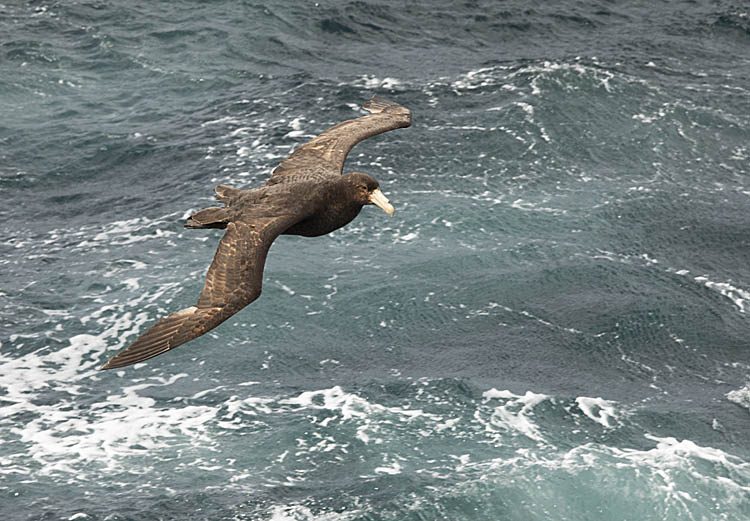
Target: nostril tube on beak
(378,199)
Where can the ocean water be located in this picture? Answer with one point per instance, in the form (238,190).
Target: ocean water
(555,325)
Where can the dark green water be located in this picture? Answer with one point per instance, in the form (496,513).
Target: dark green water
(554,325)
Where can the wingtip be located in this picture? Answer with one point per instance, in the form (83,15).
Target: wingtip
(168,333)
(109,364)
(376,104)
(118,361)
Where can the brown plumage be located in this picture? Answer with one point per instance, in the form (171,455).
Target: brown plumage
(306,195)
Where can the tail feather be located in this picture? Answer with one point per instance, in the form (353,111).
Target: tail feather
(216,217)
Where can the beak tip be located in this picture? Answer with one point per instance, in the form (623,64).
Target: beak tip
(377,198)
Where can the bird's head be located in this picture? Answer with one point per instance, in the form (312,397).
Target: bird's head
(366,190)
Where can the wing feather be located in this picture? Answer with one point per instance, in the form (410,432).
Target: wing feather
(233,281)
(325,154)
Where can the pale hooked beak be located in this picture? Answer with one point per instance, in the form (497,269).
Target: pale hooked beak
(377,198)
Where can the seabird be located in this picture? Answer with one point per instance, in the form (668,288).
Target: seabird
(306,195)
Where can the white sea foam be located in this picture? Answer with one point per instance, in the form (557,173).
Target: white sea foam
(77,439)
(284,287)
(675,471)
(520,204)
(222,121)
(82,437)
(673,453)
(508,78)
(373,82)
(528,110)
(303,513)
(353,407)
(123,232)
(679,475)
(660,114)
(297,128)
(393,468)
(406,237)
(515,413)
(478,78)
(740,396)
(737,295)
(598,409)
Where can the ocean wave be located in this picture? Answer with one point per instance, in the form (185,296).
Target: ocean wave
(430,428)
(736,295)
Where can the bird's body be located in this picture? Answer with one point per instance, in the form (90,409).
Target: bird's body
(306,195)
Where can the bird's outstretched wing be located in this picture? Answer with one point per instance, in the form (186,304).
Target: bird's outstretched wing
(327,152)
(233,281)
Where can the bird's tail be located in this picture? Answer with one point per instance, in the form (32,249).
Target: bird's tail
(216,217)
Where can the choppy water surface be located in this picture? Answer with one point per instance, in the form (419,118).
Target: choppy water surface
(554,325)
